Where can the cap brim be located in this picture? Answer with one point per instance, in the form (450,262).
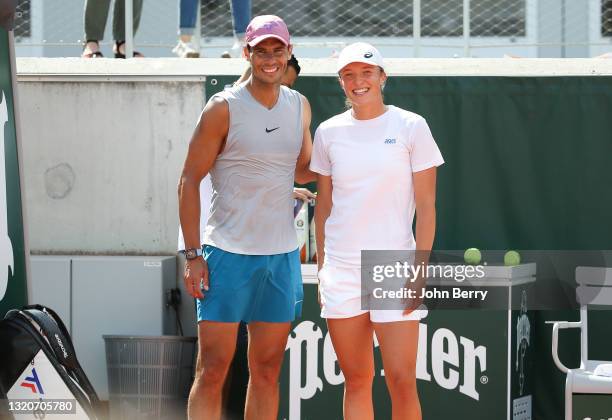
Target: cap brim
(364,61)
(260,38)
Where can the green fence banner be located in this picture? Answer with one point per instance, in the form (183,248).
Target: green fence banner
(474,361)
(13,272)
(527,167)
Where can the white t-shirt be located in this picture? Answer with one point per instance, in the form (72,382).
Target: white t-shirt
(371,164)
(205,196)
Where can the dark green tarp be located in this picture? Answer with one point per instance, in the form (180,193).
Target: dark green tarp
(528,166)
(12,266)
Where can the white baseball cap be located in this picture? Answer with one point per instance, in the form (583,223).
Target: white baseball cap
(359,52)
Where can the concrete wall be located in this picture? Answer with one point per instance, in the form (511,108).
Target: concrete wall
(102,162)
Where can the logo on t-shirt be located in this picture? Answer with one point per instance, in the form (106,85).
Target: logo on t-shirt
(390,141)
(269,130)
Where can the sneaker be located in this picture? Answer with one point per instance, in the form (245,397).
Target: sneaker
(185,50)
(235,51)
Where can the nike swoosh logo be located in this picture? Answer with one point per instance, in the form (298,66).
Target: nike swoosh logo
(271,130)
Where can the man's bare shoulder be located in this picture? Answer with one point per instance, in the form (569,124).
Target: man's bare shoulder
(304,100)
(217,107)
(213,124)
(307,114)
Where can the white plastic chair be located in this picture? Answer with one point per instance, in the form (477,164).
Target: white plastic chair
(594,288)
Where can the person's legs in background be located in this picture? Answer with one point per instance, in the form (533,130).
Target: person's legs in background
(95,15)
(188,11)
(241,16)
(119,25)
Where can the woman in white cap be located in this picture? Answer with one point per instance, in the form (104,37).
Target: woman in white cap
(375,164)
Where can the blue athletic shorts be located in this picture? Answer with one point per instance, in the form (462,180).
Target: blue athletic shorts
(247,288)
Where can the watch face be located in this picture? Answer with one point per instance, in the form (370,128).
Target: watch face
(190,254)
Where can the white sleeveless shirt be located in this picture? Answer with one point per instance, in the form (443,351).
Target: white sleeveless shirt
(251,209)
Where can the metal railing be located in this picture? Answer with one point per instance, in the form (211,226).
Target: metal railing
(407,28)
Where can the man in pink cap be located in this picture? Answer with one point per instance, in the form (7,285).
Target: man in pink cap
(254,140)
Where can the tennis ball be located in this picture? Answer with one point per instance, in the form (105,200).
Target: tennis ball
(512,258)
(472,256)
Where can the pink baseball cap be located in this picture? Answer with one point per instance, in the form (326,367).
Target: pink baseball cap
(264,27)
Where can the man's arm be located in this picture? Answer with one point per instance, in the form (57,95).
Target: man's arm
(206,143)
(304,194)
(303,175)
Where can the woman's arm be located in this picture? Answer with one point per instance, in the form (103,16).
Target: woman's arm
(425,200)
(322,212)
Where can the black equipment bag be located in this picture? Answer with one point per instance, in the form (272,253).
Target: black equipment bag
(32,338)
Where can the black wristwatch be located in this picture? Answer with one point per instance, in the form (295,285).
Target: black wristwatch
(193,253)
